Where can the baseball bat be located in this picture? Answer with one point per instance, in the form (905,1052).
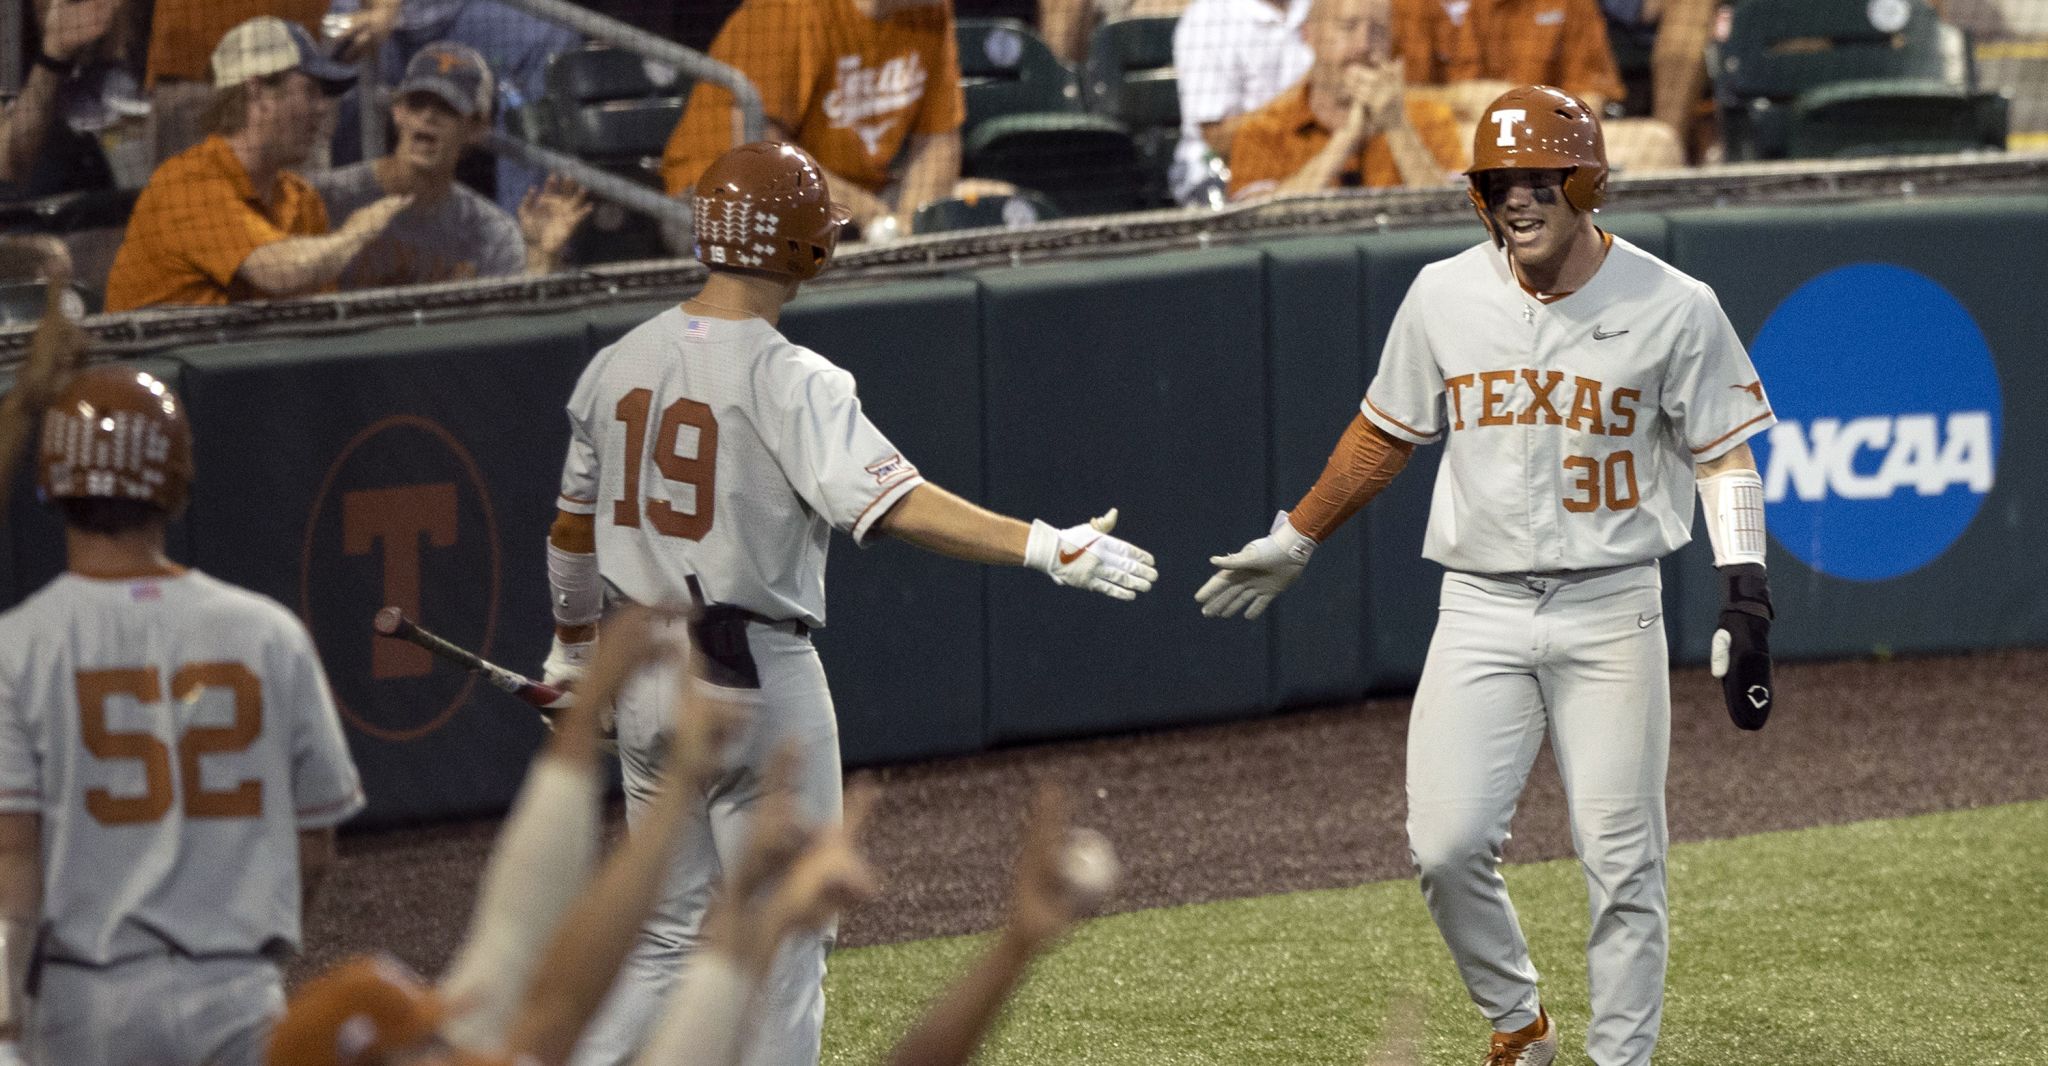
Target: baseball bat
(392,622)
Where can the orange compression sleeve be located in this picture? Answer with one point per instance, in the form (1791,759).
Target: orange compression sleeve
(1362,464)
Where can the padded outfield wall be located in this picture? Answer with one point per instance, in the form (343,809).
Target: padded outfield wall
(1902,345)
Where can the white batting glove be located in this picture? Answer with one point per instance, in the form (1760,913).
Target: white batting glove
(1248,579)
(10,1054)
(564,666)
(1087,557)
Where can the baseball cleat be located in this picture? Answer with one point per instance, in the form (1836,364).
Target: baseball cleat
(1534,1044)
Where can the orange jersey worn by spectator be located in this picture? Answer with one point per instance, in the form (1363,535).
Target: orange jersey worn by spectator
(850,89)
(196,221)
(1280,138)
(183,33)
(1526,42)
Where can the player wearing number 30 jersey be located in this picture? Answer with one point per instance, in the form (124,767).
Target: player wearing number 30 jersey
(709,461)
(171,765)
(1583,390)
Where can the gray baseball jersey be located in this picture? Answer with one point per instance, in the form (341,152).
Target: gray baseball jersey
(174,734)
(1571,430)
(1573,426)
(719,450)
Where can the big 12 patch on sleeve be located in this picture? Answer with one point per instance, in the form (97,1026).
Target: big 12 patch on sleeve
(894,468)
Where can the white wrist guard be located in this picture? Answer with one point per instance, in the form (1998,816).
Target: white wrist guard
(575,588)
(1734,506)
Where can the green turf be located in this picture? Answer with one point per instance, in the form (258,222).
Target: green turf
(1914,941)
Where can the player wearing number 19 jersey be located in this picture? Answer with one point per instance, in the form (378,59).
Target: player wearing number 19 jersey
(709,461)
(1583,391)
(171,765)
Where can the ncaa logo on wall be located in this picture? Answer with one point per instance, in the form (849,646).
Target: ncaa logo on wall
(1889,421)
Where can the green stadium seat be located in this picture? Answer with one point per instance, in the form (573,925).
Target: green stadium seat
(1856,118)
(1017,210)
(1131,79)
(1007,69)
(1084,164)
(1890,78)
(1130,72)
(609,107)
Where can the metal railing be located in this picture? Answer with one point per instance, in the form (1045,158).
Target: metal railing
(1352,211)
(673,214)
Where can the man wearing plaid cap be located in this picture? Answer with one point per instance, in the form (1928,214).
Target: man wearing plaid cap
(227,221)
(450,233)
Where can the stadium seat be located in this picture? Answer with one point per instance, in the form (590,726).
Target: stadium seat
(1017,210)
(1131,79)
(22,302)
(1084,164)
(610,107)
(1007,69)
(1885,74)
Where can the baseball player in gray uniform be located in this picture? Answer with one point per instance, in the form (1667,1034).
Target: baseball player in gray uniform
(1583,390)
(171,765)
(709,461)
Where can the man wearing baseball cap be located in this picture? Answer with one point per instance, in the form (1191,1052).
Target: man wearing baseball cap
(440,110)
(226,220)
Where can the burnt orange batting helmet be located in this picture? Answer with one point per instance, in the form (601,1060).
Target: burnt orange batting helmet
(115,432)
(765,207)
(1537,127)
(362,1011)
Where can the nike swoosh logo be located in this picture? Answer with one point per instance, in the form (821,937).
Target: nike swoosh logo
(1645,621)
(1599,336)
(1067,557)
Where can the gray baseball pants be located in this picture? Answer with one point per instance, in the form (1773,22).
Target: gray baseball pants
(1580,656)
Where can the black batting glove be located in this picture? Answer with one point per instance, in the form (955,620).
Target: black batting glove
(1741,656)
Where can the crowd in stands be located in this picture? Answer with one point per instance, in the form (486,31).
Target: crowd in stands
(257,186)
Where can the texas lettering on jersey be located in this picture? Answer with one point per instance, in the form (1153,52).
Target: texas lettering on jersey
(861,94)
(1553,399)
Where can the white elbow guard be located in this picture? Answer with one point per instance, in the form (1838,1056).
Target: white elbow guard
(1734,504)
(575,588)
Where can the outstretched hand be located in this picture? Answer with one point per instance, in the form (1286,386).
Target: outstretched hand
(1248,579)
(1087,557)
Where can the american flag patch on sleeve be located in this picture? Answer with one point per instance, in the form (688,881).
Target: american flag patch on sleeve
(697,330)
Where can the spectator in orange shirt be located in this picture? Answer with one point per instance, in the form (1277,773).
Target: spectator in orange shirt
(1350,122)
(1468,52)
(871,88)
(183,34)
(1508,42)
(225,221)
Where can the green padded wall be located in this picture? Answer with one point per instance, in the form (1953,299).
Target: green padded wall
(402,464)
(1138,384)
(904,646)
(1985,590)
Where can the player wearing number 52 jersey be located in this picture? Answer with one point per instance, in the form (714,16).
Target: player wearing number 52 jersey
(1583,391)
(171,765)
(709,461)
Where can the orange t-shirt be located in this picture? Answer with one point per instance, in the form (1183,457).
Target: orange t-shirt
(1281,137)
(1525,42)
(184,33)
(195,222)
(851,89)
